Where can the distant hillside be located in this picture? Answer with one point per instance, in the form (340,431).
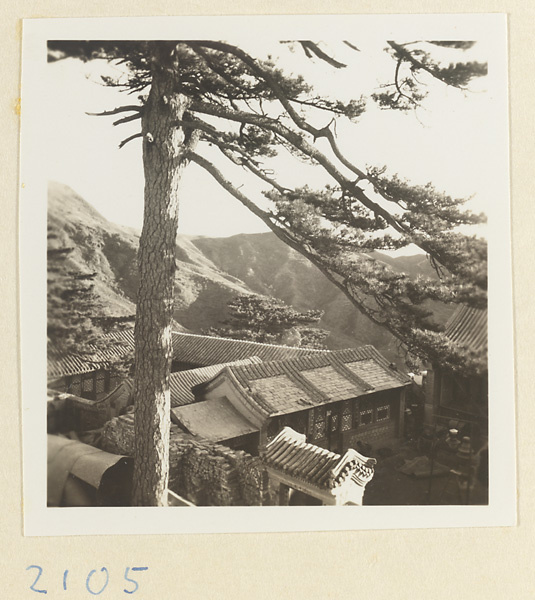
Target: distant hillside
(201,291)
(211,271)
(269,266)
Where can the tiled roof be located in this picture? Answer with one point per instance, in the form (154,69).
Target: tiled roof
(290,453)
(181,382)
(373,373)
(206,350)
(121,343)
(283,387)
(214,420)
(187,348)
(468,327)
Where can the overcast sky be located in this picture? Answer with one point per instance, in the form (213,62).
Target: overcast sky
(448,142)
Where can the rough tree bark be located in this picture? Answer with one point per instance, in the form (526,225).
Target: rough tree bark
(165,145)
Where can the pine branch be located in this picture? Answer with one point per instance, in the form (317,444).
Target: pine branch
(285,236)
(129,139)
(115,111)
(353,47)
(409,57)
(312,48)
(128,119)
(299,142)
(248,163)
(398,87)
(411,234)
(213,67)
(325,132)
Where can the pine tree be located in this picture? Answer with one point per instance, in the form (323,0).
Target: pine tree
(267,320)
(71,302)
(75,321)
(198,96)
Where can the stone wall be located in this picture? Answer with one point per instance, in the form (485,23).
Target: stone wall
(210,474)
(203,472)
(118,435)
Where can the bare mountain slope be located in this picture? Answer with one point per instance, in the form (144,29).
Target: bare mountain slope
(109,250)
(211,271)
(270,267)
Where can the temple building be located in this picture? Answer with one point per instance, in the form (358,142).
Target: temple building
(339,400)
(89,375)
(457,399)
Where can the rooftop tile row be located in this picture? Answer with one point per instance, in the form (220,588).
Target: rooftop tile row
(290,453)
(283,387)
(206,350)
(119,344)
(181,382)
(188,348)
(468,327)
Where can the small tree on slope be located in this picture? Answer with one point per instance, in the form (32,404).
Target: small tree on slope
(267,320)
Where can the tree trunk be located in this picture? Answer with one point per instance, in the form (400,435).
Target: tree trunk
(165,144)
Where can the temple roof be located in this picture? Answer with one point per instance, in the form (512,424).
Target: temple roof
(181,382)
(188,348)
(468,327)
(207,350)
(119,344)
(289,453)
(283,387)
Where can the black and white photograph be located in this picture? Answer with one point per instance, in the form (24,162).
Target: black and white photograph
(276,263)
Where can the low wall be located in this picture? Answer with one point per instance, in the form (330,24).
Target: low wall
(118,435)
(204,473)
(67,412)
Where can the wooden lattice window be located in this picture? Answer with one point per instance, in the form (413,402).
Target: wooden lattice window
(100,382)
(87,383)
(335,419)
(319,429)
(74,385)
(347,416)
(319,423)
(383,413)
(366,417)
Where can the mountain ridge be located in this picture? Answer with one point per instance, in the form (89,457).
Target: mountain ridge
(211,271)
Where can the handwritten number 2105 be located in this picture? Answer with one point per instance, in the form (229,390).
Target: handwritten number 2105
(95,583)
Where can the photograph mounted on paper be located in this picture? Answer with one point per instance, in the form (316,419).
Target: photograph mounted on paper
(266,265)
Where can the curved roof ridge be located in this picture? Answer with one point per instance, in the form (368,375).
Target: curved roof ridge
(214,337)
(290,453)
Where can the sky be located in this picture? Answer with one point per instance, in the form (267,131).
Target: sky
(448,142)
